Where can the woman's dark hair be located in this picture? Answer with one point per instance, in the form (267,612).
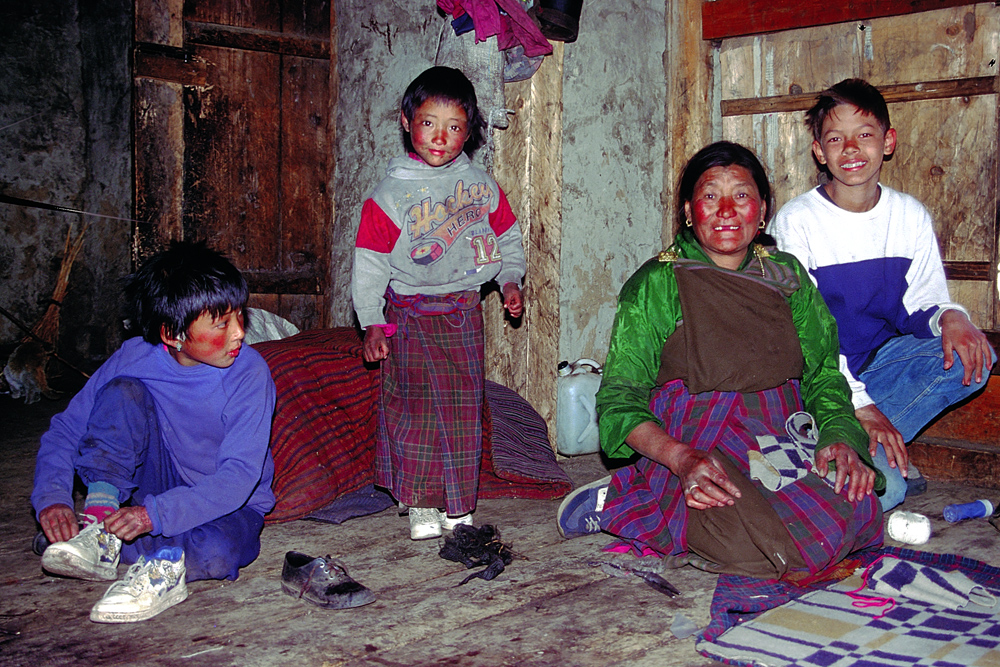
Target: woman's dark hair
(722,154)
(173,288)
(445,84)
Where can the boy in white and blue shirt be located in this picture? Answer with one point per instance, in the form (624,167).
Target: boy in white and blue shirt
(907,351)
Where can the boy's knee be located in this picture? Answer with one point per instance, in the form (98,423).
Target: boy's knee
(895,483)
(123,391)
(895,489)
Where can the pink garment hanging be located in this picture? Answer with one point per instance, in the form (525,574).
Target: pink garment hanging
(514,28)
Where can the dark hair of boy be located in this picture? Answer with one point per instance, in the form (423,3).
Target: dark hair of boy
(722,154)
(445,84)
(175,287)
(858,92)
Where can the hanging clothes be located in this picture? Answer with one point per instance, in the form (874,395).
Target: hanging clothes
(512,26)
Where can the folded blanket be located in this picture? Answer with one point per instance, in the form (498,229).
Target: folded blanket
(895,577)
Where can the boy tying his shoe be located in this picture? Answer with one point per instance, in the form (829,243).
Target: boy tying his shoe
(170,437)
(906,350)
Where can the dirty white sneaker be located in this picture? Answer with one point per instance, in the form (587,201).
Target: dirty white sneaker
(449,522)
(149,587)
(425,523)
(92,555)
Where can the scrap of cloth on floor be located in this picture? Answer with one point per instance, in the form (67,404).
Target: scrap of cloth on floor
(512,26)
(757,622)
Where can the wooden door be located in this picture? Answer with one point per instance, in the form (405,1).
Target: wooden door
(232,141)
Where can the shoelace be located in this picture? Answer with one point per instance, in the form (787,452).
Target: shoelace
(324,564)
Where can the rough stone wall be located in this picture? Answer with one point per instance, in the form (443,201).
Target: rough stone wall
(381,47)
(613,153)
(613,143)
(64,139)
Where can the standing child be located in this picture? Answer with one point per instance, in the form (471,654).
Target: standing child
(433,232)
(170,437)
(873,254)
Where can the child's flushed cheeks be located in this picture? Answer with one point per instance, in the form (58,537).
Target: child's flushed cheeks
(853,146)
(215,341)
(438,132)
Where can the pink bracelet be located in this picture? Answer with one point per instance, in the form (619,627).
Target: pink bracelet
(387,329)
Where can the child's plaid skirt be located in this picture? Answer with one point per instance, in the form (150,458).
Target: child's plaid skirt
(430,413)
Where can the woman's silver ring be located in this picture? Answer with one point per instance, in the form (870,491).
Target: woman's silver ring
(692,487)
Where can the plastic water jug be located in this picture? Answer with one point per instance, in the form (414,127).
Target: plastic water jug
(576,416)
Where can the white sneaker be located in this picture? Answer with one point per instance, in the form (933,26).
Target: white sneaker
(92,555)
(149,587)
(425,523)
(449,522)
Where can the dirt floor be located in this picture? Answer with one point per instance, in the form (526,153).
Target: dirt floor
(550,607)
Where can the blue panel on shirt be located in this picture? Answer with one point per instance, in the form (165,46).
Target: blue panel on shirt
(866,298)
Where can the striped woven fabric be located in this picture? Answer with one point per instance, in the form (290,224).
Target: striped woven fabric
(322,438)
(323,435)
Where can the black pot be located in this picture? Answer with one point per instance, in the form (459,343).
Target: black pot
(559,20)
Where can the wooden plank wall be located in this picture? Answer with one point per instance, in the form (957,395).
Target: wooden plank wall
(529,168)
(232,137)
(947,152)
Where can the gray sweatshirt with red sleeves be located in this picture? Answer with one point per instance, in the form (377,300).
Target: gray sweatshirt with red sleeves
(433,230)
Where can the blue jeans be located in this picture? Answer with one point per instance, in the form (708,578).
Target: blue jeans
(909,385)
(122,447)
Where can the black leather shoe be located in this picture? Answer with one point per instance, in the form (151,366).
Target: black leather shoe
(323,582)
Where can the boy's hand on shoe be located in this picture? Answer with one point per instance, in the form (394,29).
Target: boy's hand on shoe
(58,523)
(959,334)
(880,430)
(513,301)
(376,347)
(129,523)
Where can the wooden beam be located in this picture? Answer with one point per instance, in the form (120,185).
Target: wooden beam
(688,64)
(722,19)
(903,92)
(168,63)
(979,271)
(247,39)
(949,460)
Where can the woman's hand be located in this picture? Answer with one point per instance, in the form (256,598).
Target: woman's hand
(704,481)
(862,478)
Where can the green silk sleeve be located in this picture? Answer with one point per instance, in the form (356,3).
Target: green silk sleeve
(648,311)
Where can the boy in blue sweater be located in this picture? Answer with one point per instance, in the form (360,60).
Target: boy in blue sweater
(170,438)
(907,351)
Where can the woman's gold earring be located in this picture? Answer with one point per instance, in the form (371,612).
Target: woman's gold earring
(762,225)
(687,222)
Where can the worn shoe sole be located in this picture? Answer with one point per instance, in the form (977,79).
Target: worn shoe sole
(172,597)
(345,595)
(572,498)
(449,523)
(64,562)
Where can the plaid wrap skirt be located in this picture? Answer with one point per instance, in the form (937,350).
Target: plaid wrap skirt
(429,443)
(645,504)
